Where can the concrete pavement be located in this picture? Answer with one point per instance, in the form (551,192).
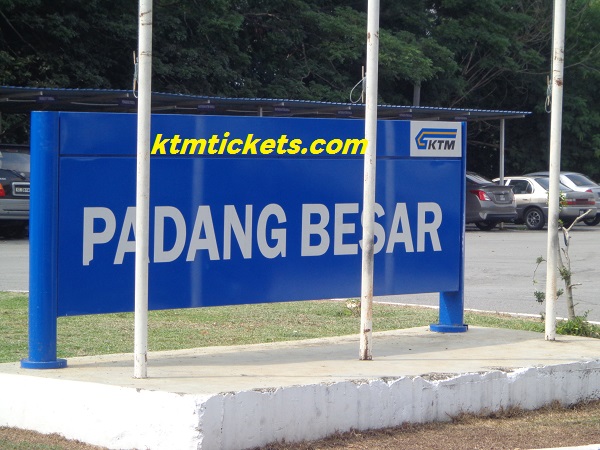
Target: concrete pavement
(411,352)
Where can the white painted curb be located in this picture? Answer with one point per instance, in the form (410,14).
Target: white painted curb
(121,418)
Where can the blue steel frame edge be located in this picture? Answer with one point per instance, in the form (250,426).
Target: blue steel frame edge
(43,237)
(452,304)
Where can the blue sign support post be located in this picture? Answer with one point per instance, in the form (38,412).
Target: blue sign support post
(243,210)
(452,304)
(43,247)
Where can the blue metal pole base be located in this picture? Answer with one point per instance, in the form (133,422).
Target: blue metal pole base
(439,328)
(56,364)
(451,313)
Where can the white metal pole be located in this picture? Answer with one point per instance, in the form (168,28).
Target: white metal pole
(502,151)
(366,300)
(558,55)
(502,169)
(142,201)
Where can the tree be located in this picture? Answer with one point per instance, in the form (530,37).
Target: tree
(489,54)
(67,43)
(581,115)
(563,261)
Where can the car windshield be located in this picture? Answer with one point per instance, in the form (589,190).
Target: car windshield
(545,183)
(14,161)
(580,180)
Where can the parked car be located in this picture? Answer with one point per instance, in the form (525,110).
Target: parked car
(487,204)
(14,189)
(531,194)
(578,182)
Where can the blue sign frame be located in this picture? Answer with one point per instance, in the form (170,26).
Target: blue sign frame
(268,210)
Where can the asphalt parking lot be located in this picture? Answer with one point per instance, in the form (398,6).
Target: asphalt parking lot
(499,269)
(14,264)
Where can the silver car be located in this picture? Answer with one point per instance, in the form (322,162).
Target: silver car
(487,204)
(531,194)
(578,182)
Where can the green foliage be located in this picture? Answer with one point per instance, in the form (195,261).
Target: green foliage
(540,296)
(565,274)
(492,54)
(13,323)
(579,326)
(67,43)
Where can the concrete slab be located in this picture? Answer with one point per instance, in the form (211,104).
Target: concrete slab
(408,352)
(244,396)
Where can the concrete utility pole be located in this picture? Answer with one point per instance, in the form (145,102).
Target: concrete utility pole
(558,60)
(142,200)
(366,299)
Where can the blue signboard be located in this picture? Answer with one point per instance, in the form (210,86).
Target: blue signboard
(243,210)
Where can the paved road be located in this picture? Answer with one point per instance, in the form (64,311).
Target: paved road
(500,264)
(14,264)
(498,270)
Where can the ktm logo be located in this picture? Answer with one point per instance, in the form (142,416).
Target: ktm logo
(436,139)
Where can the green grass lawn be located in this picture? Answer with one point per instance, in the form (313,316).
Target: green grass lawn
(224,325)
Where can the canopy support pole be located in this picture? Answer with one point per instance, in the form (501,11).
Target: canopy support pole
(366,299)
(558,59)
(142,201)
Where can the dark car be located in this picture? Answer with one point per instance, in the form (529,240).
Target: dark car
(487,204)
(14,189)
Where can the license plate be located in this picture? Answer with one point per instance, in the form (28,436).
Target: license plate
(21,190)
(502,198)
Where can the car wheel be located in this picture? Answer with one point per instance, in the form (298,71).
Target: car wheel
(12,231)
(486,226)
(592,222)
(534,219)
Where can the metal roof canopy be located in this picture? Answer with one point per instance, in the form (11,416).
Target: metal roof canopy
(26,99)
